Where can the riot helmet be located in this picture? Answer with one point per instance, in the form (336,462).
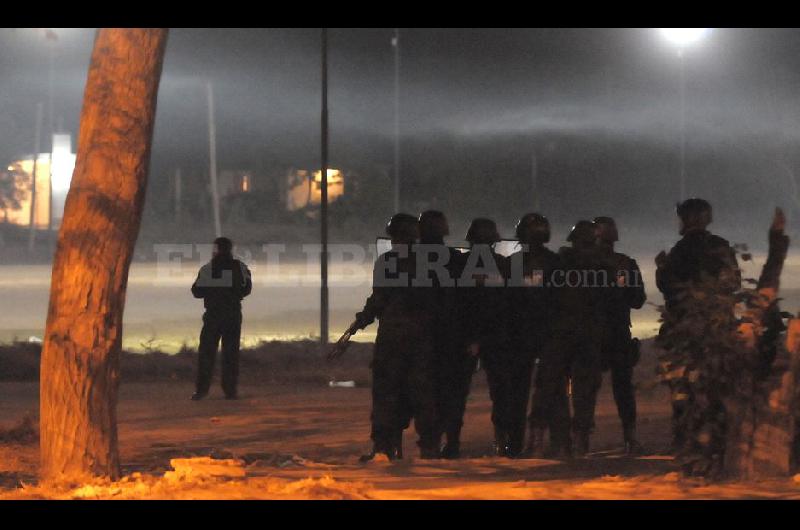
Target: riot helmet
(533,228)
(582,234)
(433,226)
(483,231)
(606,229)
(403,228)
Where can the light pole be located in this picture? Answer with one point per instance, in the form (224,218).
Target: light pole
(50,83)
(396,46)
(36,149)
(535,180)
(681,38)
(212,159)
(324,319)
(51,131)
(51,37)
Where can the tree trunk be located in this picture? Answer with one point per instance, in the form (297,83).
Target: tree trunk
(762,429)
(80,358)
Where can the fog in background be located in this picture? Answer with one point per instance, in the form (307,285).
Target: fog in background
(599,110)
(599,107)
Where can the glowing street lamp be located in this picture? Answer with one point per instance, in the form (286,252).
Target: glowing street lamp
(681,38)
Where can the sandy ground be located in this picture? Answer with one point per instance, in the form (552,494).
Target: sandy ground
(161,314)
(303,442)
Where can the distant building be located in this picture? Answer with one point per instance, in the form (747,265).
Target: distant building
(49,201)
(233,181)
(301,188)
(304,189)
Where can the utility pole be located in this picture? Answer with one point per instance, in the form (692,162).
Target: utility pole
(51,132)
(683,123)
(324,317)
(36,149)
(212,156)
(396,45)
(178,195)
(50,92)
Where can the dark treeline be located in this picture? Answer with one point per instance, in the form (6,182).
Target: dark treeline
(580,175)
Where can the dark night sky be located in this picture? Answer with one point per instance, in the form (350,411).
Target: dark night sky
(459,80)
(742,84)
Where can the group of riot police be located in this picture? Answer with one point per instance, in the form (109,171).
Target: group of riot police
(554,321)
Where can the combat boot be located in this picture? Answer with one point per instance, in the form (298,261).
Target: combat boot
(500,442)
(516,443)
(428,448)
(632,445)
(452,449)
(581,444)
(678,443)
(560,446)
(535,447)
(559,452)
(391,454)
(429,453)
(368,457)
(388,449)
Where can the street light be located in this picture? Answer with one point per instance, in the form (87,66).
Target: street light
(50,38)
(682,38)
(396,46)
(324,311)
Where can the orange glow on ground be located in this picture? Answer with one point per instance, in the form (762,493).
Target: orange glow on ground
(302,441)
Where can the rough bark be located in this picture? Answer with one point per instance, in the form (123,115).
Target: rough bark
(102,214)
(764,434)
(763,429)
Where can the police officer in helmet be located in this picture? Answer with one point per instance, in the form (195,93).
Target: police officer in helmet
(620,351)
(403,368)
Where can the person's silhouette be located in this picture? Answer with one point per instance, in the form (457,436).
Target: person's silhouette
(222,283)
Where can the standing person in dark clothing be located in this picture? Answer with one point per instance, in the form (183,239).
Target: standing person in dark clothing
(222,284)
(484,314)
(454,366)
(699,255)
(619,350)
(530,303)
(703,263)
(403,365)
(574,348)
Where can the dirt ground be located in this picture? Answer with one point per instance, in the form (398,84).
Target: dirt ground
(303,441)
